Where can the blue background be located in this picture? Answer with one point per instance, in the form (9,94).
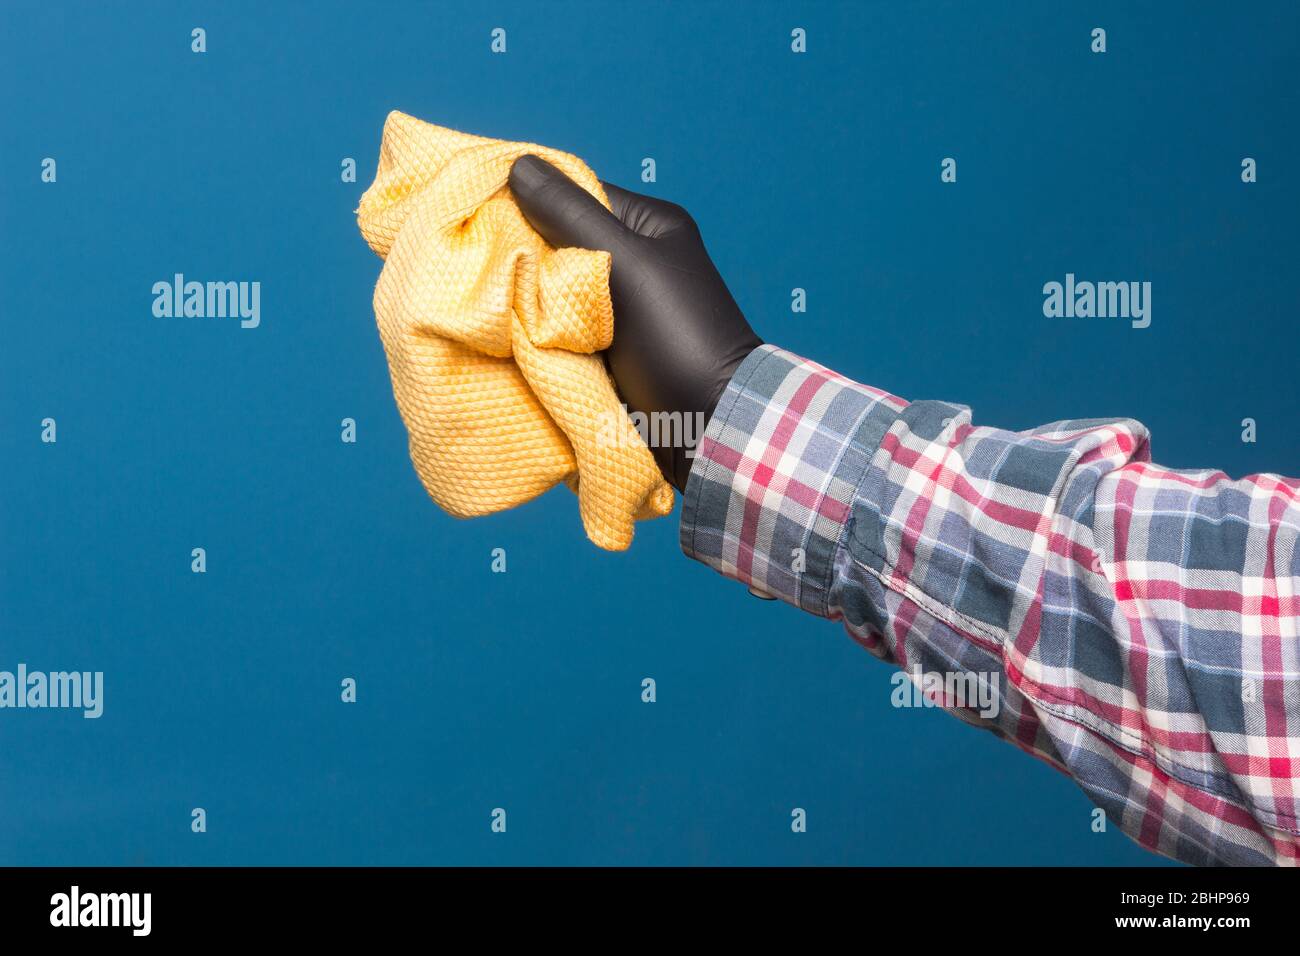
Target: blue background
(326,560)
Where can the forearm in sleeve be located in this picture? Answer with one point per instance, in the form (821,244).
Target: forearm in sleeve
(1133,626)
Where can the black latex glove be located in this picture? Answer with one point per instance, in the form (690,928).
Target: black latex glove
(678,333)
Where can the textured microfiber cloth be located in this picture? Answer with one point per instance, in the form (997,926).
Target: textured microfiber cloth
(491,336)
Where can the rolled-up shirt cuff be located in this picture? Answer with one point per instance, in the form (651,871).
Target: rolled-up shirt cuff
(771,492)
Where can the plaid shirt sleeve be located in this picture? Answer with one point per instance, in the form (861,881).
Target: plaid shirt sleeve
(1133,626)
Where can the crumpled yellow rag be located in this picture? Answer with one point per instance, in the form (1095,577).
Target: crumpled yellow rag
(492,336)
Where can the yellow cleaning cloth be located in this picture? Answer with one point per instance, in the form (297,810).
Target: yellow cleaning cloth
(492,335)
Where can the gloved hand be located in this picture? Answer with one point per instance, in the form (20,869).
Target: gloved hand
(678,333)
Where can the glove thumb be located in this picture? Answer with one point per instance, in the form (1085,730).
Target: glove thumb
(562,212)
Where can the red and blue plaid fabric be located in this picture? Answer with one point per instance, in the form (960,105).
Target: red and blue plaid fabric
(1138,626)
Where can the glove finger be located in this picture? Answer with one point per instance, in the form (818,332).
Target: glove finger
(561,211)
